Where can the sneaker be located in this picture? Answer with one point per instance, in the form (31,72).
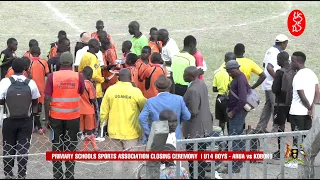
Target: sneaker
(35,130)
(276,155)
(100,139)
(41,131)
(292,165)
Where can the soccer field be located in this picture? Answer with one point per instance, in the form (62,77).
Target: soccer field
(217,26)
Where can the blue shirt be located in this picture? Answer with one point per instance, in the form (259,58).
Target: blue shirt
(156,104)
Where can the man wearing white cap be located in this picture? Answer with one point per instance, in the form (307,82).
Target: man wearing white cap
(270,67)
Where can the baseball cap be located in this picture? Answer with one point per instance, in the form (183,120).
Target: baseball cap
(282,38)
(232,64)
(66,58)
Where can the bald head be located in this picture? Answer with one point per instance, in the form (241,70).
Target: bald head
(163,35)
(229,56)
(125,75)
(134,28)
(190,73)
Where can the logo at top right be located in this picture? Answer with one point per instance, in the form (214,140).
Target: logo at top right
(296,22)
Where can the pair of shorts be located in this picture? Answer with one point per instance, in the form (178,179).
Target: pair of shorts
(300,123)
(281,114)
(221,110)
(87,122)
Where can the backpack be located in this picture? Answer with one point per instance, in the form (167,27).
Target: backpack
(286,84)
(18,91)
(253,99)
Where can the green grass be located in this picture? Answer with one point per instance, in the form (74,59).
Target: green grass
(212,23)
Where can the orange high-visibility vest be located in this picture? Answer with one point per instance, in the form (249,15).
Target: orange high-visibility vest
(65,97)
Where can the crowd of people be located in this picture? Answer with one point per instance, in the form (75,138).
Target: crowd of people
(96,91)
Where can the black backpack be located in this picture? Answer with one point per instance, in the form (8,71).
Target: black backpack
(286,84)
(19,99)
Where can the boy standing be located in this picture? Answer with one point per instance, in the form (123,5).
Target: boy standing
(151,74)
(282,88)
(87,113)
(39,70)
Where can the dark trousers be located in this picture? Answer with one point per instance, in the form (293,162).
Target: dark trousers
(236,127)
(16,135)
(300,123)
(97,114)
(36,117)
(64,139)
(180,89)
(201,164)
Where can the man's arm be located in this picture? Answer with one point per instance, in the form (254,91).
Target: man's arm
(9,61)
(81,84)
(185,113)
(143,118)
(304,100)
(276,85)
(258,71)
(47,100)
(271,70)
(192,101)
(316,95)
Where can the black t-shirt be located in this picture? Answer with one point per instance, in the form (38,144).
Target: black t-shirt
(6,55)
(54,64)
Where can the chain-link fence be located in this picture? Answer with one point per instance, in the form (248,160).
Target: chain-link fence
(16,156)
(279,167)
(38,167)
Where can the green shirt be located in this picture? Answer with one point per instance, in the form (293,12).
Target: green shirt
(138,44)
(179,63)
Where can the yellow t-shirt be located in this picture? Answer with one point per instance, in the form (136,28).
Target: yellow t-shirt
(91,60)
(121,107)
(247,66)
(221,80)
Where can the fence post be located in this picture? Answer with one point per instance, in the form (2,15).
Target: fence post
(311,145)
(157,140)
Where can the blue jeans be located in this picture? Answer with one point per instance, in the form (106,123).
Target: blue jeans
(236,125)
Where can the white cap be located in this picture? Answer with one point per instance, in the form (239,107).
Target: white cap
(282,38)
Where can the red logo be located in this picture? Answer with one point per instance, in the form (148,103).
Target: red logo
(296,22)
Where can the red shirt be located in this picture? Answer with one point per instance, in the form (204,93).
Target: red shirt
(49,85)
(199,61)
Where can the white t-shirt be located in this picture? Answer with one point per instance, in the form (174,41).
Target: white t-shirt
(172,139)
(82,51)
(5,84)
(168,51)
(270,58)
(305,80)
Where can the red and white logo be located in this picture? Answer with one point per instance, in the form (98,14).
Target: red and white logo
(296,22)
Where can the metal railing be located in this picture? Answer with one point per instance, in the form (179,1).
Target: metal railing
(268,144)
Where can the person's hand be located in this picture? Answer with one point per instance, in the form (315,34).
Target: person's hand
(230,114)
(48,123)
(201,72)
(310,112)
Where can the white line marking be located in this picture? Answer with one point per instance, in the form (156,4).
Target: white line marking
(216,27)
(61,16)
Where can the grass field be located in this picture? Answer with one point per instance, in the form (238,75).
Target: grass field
(218,26)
